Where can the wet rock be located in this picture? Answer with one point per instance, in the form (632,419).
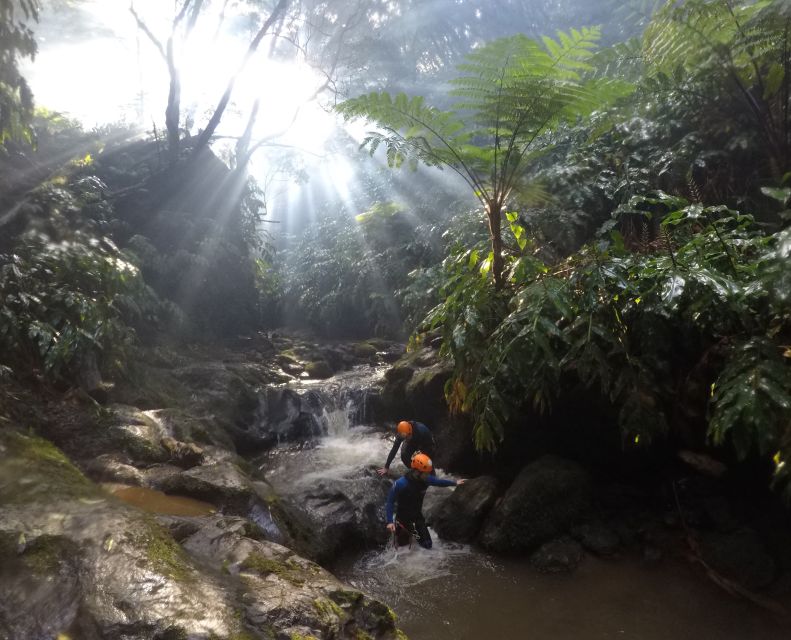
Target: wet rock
(157,475)
(290,365)
(338,514)
(183,454)
(75,561)
(190,428)
(319,369)
(286,592)
(425,391)
(596,537)
(222,484)
(459,517)
(137,433)
(109,467)
(455,445)
(286,415)
(546,498)
(557,556)
(740,556)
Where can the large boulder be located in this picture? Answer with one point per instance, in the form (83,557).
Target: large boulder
(222,484)
(557,556)
(546,498)
(740,556)
(287,592)
(285,414)
(338,514)
(76,562)
(459,517)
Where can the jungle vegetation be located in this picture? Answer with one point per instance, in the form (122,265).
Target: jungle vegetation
(632,235)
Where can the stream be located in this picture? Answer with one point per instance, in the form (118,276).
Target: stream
(458,592)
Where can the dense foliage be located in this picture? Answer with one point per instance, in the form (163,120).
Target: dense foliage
(511,93)
(16,40)
(677,312)
(355,265)
(71,298)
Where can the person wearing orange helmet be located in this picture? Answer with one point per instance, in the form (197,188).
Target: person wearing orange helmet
(405,501)
(414,436)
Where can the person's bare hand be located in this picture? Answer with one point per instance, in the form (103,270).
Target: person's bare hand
(462,481)
(383,471)
(391,527)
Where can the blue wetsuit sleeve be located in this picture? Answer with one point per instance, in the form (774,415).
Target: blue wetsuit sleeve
(398,485)
(393,451)
(434,481)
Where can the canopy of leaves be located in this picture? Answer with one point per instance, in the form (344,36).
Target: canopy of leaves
(509,93)
(16,40)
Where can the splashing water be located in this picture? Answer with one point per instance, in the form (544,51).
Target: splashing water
(348,445)
(456,592)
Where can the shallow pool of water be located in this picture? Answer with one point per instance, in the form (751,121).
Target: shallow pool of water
(455,593)
(155,501)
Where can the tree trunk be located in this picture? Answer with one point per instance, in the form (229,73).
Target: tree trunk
(493,214)
(173,109)
(211,126)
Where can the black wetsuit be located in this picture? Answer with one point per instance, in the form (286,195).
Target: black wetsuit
(422,440)
(407,493)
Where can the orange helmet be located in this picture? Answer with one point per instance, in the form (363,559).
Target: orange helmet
(421,462)
(404,429)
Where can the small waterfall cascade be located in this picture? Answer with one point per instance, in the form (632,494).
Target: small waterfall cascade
(334,438)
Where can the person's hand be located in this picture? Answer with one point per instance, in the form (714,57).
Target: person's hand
(383,471)
(391,527)
(462,481)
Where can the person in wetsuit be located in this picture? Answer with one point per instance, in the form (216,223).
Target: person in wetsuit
(415,436)
(405,501)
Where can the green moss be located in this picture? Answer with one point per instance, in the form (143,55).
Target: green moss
(364,350)
(299,636)
(173,633)
(165,554)
(263,566)
(253,531)
(34,470)
(328,611)
(45,554)
(359,634)
(346,598)
(319,369)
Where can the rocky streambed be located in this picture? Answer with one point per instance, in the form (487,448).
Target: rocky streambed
(211,494)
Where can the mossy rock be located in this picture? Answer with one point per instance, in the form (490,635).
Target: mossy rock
(36,471)
(261,565)
(319,369)
(364,350)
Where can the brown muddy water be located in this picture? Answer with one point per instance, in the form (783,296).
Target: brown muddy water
(157,502)
(454,593)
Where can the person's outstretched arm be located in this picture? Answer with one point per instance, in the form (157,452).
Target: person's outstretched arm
(391,455)
(434,481)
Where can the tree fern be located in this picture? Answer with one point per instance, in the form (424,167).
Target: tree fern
(508,94)
(746,44)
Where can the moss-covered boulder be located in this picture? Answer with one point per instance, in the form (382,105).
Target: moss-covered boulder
(459,517)
(545,500)
(75,561)
(287,592)
(319,369)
